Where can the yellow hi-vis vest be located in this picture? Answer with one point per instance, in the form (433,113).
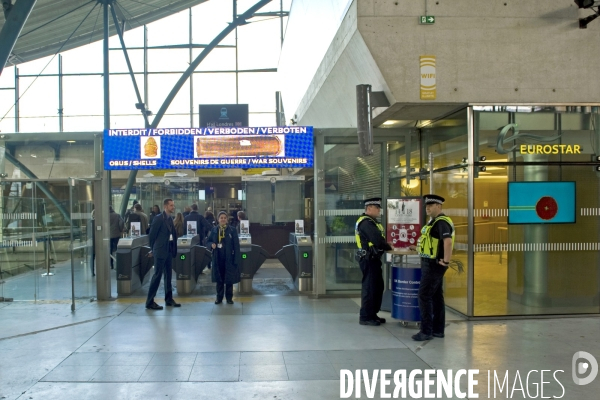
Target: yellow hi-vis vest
(356,233)
(427,245)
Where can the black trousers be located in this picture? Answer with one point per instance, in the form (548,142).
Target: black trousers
(222,287)
(431,297)
(162,266)
(372,288)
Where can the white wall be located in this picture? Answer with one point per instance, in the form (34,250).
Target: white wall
(486,51)
(492,51)
(311,28)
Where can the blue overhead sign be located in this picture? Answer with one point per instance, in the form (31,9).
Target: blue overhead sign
(201,148)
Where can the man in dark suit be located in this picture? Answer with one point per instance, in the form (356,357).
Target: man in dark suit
(163,241)
(203,227)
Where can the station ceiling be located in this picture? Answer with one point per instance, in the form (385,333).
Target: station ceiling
(51,22)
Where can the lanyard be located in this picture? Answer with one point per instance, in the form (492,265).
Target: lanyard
(221,233)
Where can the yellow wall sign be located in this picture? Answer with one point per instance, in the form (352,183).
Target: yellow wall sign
(550,149)
(428,88)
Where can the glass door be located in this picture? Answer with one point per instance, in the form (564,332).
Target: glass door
(348,180)
(83,284)
(25,252)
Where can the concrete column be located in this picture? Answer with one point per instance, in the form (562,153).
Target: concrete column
(319,278)
(535,279)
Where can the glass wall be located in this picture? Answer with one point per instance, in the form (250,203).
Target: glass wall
(447,140)
(348,180)
(242,69)
(536,246)
(46,233)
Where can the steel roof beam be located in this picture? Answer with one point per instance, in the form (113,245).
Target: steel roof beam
(16,16)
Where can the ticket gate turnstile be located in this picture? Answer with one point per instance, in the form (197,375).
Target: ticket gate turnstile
(202,259)
(184,263)
(253,257)
(129,251)
(303,251)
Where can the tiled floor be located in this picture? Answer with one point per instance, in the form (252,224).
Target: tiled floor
(262,347)
(226,366)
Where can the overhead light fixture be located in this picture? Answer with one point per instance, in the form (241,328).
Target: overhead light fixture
(70,141)
(413,183)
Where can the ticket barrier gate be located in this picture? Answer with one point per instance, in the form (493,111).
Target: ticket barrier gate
(253,257)
(303,250)
(132,263)
(297,258)
(287,256)
(184,263)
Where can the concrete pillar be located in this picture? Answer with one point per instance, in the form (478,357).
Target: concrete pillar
(535,280)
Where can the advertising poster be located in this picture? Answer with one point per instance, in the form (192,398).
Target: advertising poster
(404,218)
(135,229)
(300,226)
(206,148)
(541,202)
(244,227)
(192,229)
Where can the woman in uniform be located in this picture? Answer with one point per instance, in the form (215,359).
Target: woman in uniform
(226,258)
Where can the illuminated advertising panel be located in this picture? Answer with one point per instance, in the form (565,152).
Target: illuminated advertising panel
(202,148)
(541,202)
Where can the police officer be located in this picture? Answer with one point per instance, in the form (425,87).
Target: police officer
(370,240)
(435,248)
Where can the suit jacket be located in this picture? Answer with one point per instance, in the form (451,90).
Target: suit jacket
(202,225)
(161,229)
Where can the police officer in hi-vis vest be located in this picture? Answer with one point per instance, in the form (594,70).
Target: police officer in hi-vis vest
(370,239)
(435,248)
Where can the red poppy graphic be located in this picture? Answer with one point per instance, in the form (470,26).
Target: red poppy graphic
(546,208)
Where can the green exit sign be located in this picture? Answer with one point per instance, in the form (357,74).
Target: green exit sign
(305,255)
(182,256)
(426,20)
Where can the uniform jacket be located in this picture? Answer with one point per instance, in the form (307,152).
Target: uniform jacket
(369,232)
(160,231)
(233,259)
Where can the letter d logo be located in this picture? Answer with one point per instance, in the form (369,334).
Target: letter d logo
(580,368)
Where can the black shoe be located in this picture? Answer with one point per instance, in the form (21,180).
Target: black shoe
(229,301)
(381,320)
(154,306)
(440,335)
(419,337)
(371,322)
(218,301)
(172,303)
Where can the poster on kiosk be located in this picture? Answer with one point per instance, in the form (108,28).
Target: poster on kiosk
(135,229)
(192,228)
(404,221)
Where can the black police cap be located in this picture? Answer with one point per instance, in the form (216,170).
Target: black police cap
(433,199)
(373,201)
